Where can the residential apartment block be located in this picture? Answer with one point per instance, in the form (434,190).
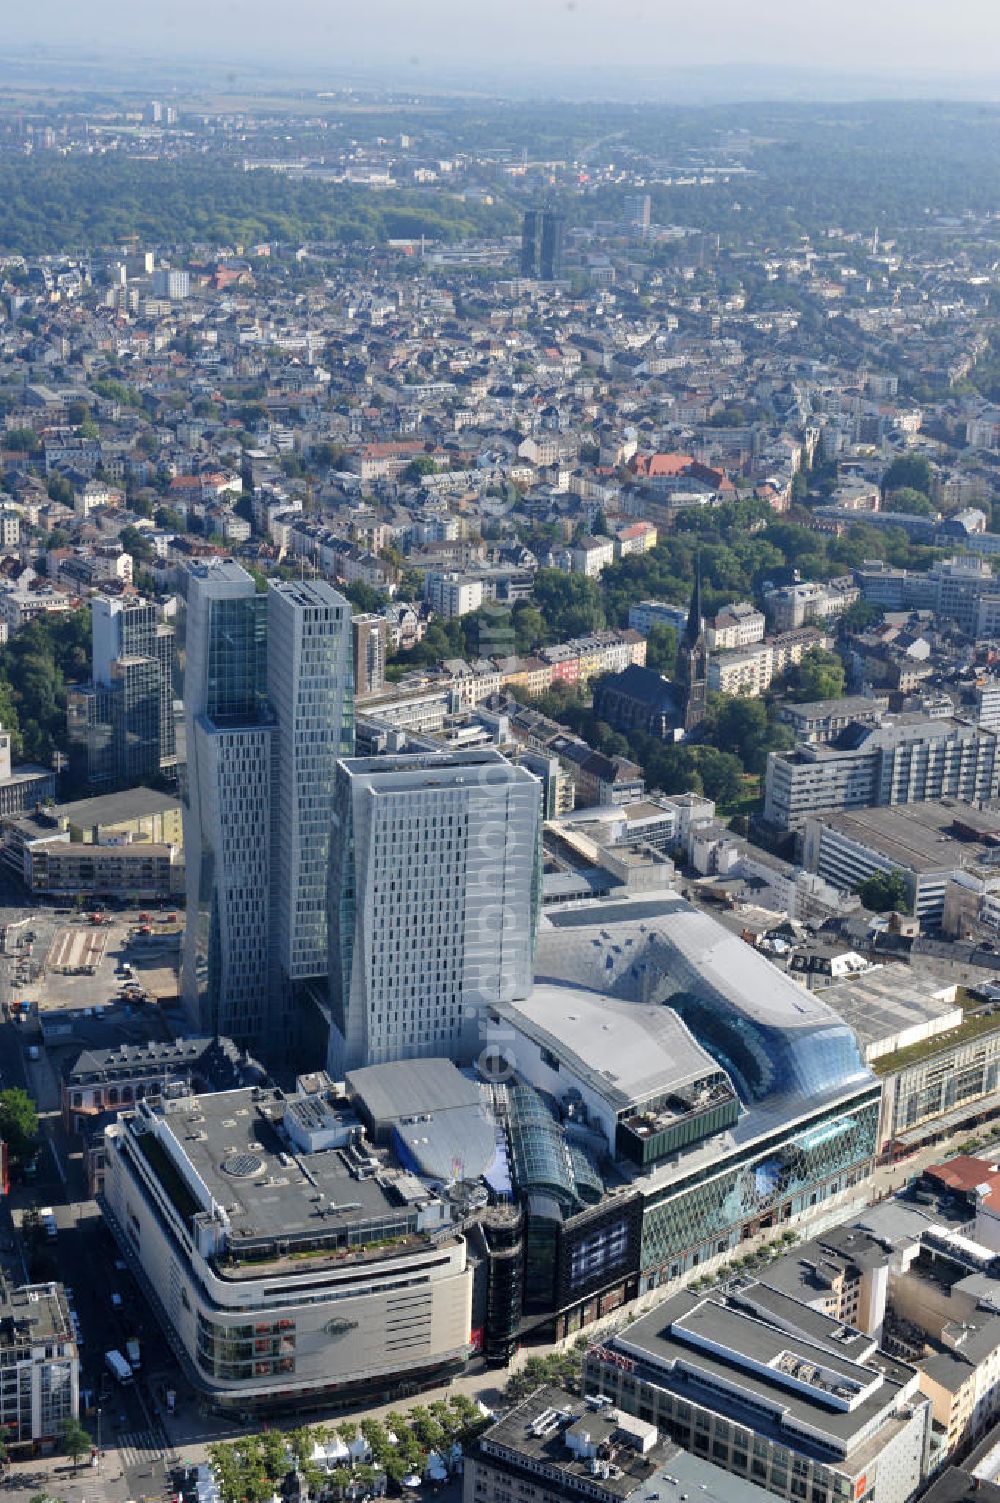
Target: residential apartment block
(794,605)
(907,759)
(737,625)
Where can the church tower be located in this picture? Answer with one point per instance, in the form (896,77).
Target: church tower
(692,660)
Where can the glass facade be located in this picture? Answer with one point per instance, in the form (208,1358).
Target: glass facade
(542,1158)
(502,1230)
(944,1081)
(136,718)
(767,1061)
(56,1384)
(771,1181)
(237,657)
(310,689)
(123,723)
(253,1349)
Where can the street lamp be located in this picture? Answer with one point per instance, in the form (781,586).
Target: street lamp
(98,1437)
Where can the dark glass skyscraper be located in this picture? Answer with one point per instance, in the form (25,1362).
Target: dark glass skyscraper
(542,235)
(531,248)
(553,233)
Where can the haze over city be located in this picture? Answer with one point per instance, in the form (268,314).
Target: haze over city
(891,40)
(499,752)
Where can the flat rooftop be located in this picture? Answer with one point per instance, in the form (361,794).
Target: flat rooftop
(116,808)
(629,1052)
(271,1192)
(670,1345)
(939,835)
(884,1002)
(666,1472)
(850,705)
(407,1088)
(33,1313)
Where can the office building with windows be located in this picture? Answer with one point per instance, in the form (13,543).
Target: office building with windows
(637,211)
(773,1391)
(434,895)
(122,724)
(552,246)
(229,805)
(531,235)
(288,1261)
(39,1367)
(542,236)
(907,759)
(555,1445)
(309,680)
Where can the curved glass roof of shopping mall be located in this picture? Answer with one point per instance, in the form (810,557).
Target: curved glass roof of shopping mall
(779,1043)
(543,1158)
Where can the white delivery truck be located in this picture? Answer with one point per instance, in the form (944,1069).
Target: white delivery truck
(118,1367)
(132,1352)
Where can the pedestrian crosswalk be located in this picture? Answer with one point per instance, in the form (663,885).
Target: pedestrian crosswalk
(87,1490)
(139,1448)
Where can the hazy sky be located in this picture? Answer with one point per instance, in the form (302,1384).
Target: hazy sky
(865,36)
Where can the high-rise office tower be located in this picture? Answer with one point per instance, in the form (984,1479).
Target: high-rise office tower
(531,242)
(542,234)
(371,642)
(309,645)
(228,805)
(122,724)
(551,254)
(434,893)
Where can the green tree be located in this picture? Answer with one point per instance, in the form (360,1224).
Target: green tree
(411,584)
(820,675)
(911,471)
(228,1471)
(570,603)
(530,628)
(417,468)
(136,543)
(721,774)
(910,501)
(884,892)
(60,489)
(75,1439)
(860,616)
(741,725)
(18,1124)
(661,648)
